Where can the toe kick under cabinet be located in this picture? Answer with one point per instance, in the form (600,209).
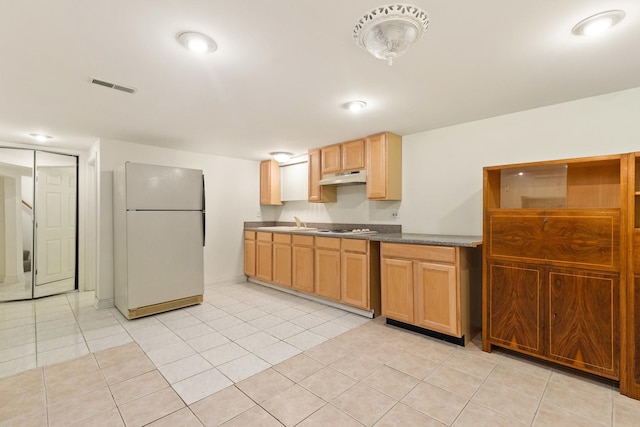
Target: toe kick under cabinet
(434,288)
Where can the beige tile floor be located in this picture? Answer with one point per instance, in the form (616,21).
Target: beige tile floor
(252,356)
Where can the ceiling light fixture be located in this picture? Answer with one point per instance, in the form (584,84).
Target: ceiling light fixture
(355,106)
(387,31)
(281,156)
(196,42)
(40,137)
(598,23)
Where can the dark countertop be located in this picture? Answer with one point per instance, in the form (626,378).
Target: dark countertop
(428,239)
(406,238)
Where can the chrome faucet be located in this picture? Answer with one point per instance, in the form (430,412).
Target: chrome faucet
(298,222)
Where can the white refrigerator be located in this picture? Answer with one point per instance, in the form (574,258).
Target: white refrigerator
(159,234)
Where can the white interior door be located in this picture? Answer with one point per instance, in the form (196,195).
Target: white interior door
(55,210)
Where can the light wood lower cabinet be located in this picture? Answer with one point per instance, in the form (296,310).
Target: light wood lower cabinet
(302,269)
(264,256)
(433,287)
(341,270)
(327,272)
(250,253)
(282,259)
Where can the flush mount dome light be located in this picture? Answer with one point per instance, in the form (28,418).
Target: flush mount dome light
(281,156)
(40,137)
(598,23)
(196,42)
(355,106)
(387,31)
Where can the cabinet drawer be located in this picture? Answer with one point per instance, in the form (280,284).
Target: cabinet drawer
(282,238)
(250,235)
(419,252)
(263,237)
(353,245)
(303,240)
(328,243)
(586,239)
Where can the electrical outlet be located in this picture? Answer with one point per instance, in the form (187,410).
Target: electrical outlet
(258,214)
(394,214)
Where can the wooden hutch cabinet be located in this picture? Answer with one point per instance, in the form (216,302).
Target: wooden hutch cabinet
(555,263)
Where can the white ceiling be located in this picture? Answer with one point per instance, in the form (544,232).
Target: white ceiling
(284,68)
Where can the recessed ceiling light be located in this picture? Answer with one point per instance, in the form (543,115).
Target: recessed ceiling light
(196,42)
(40,137)
(355,106)
(598,23)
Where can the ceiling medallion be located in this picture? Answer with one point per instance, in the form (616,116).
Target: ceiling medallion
(387,31)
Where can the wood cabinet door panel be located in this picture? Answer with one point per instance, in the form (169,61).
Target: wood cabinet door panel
(437,298)
(592,240)
(355,279)
(303,269)
(250,257)
(376,167)
(635,375)
(353,157)
(569,238)
(282,264)
(583,320)
(515,307)
(264,260)
(327,274)
(331,159)
(397,289)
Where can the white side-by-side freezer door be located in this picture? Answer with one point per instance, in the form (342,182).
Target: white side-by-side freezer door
(165,256)
(152,187)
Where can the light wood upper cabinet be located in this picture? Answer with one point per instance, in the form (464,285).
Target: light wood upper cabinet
(270,183)
(346,156)
(318,193)
(384,166)
(331,159)
(353,155)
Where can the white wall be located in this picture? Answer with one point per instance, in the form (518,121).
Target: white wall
(442,169)
(232,193)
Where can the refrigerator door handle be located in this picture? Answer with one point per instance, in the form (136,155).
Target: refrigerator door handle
(204,215)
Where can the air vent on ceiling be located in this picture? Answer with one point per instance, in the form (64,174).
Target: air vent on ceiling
(113,85)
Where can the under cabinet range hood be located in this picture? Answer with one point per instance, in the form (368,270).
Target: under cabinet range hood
(345,178)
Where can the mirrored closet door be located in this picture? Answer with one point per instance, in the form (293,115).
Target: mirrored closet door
(38,217)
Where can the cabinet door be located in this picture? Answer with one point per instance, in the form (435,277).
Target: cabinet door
(328,273)
(263,260)
(515,306)
(376,167)
(270,183)
(331,159)
(397,289)
(303,268)
(355,279)
(250,257)
(353,157)
(318,193)
(583,320)
(437,298)
(282,264)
